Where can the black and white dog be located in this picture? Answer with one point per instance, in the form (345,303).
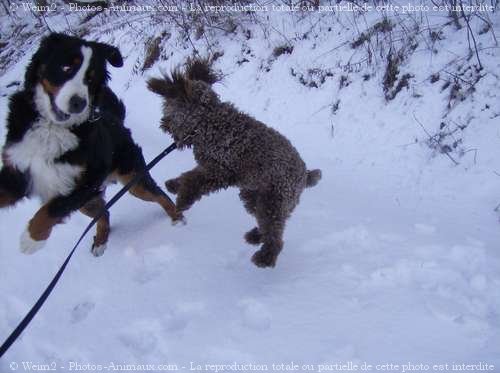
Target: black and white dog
(66,140)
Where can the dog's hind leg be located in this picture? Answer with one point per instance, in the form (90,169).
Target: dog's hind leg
(147,190)
(249,199)
(272,212)
(92,209)
(130,163)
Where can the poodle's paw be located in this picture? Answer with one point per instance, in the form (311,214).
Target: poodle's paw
(179,220)
(28,245)
(98,250)
(253,236)
(172,185)
(265,258)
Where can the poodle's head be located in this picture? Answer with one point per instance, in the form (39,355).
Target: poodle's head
(191,85)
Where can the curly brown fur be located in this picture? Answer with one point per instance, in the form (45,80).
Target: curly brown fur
(232,149)
(174,86)
(201,69)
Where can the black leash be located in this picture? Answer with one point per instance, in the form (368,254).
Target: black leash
(39,303)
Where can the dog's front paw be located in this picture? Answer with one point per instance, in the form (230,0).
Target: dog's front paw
(28,245)
(98,250)
(172,185)
(253,236)
(179,220)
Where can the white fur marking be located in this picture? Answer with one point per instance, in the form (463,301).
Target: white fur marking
(42,103)
(75,86)
(28,245)
(36,154)
(98,250)
(180,222)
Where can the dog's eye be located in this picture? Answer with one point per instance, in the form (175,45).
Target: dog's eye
(66,68)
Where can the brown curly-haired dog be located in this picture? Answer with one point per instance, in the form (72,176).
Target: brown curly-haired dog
(232,149)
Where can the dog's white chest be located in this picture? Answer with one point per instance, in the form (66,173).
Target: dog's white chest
(36,154)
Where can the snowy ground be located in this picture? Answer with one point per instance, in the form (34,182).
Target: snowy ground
(392,258)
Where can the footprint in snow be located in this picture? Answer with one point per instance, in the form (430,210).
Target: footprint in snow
(81,311)
(142,336)
(424,229)
(255,315)
(147,275)
(145,336)
(152,263)
(178,319)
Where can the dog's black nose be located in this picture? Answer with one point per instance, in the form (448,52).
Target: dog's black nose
(77,104)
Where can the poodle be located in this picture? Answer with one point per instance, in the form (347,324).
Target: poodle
(231,149)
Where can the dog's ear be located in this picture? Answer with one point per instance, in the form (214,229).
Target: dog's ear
(174,86)
(33,69)
(198,68)
(110,53)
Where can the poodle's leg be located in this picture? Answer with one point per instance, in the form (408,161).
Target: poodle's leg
(249,199)
(173,185)
(272,212)
(198,182)
(147,190)
(253,236)
(92,210)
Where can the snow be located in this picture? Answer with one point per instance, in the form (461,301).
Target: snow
(391,258)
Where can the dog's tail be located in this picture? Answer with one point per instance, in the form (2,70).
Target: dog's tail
(313,177)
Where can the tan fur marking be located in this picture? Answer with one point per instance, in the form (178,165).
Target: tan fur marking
(92,209)
(40,226)
(48,87)
(140,192)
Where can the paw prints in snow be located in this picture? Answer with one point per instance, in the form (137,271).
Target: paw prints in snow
(255,315)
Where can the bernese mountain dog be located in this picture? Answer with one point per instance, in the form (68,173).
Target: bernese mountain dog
(66,140)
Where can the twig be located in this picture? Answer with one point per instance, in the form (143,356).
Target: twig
(431,138)
(475,153)
(469,31)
